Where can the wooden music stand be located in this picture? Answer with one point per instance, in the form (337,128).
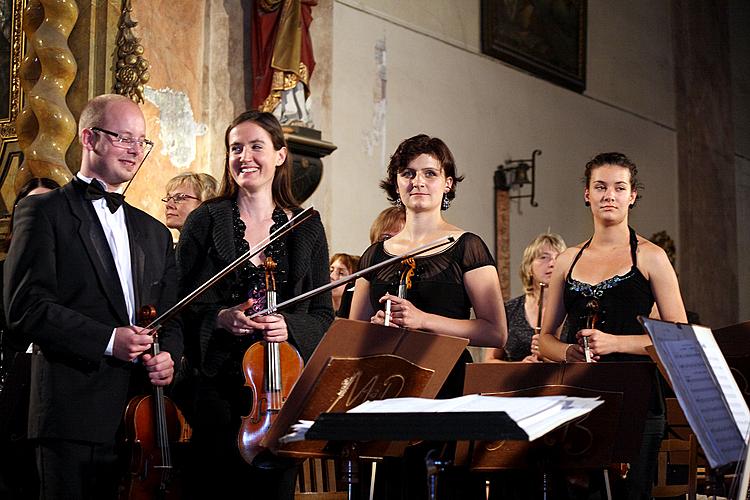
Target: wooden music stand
(610,434)
(356,362)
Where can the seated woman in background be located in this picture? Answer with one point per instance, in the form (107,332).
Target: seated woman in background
(522,312)
(387,224)
(623,275)
(184,193)
(342,265)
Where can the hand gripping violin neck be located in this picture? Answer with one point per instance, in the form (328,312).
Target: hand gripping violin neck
(270,369)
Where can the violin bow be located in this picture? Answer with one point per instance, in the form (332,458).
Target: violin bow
(445,240)
(255,250)
(404,283)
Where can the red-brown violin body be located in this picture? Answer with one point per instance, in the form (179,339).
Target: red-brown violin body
(152,423)
(271,370)
(146,474)
(271,382)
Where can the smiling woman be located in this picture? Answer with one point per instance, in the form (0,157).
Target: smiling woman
(255,200)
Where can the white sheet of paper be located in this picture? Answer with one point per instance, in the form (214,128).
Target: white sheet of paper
(724,376)
(698,391)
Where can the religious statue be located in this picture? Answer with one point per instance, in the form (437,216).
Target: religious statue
(282,59)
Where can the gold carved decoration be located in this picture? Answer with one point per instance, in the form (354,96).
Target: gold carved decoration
(131,68)
(282,81)
(8,120)
(46,126)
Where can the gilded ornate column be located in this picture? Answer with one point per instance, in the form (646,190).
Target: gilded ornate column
(46,126)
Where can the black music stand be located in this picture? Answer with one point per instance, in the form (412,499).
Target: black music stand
(357,362)
(353,429)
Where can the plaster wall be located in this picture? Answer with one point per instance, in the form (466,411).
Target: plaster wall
(739,39)
(197,85)
(488,112)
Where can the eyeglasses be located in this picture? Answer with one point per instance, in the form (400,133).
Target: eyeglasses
(179,198)
(121,142)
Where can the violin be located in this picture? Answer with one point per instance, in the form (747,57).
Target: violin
(592,306)
(270,369)
(404,284)
(152,422)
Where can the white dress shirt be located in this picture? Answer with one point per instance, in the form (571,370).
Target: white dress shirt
(116,232)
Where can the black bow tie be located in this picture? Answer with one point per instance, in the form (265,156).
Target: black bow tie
(95,191)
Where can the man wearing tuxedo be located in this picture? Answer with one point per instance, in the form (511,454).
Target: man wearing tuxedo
(80,265)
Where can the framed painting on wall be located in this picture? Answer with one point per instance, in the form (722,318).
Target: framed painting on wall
(547,38)
(11,52)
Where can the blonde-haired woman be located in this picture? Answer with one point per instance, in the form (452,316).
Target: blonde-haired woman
(522,312)
(185,192)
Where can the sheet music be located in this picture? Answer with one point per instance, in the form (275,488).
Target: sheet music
(535,415)
(698,390)
(724,376)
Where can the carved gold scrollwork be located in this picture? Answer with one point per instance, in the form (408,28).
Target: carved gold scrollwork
(46,126)
(131,68)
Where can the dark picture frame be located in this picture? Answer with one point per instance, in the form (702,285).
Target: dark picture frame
(12,46)
(547,38)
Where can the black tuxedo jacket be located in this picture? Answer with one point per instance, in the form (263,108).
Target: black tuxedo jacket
(62,293)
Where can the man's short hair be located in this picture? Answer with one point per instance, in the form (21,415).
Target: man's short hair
(96,109)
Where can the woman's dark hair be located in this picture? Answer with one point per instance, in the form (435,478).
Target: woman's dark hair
(408,150)
(617,159)
(281,188)
(32,184)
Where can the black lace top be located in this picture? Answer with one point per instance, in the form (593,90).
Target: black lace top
(251,282)
(437,287)
(251,279)
(621,299)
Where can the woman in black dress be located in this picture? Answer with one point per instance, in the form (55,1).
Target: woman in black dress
(626,275)
(255,199)
(448,282)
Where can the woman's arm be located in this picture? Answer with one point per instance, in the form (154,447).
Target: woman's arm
(361,308)
(488,329)
(664,284)
(550,345)
(309,320)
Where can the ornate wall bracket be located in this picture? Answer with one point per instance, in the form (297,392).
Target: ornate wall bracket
(307,149)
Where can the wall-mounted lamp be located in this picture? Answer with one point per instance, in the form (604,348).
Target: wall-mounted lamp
(515,174)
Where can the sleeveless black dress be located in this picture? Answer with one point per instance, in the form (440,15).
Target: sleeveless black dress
(621,299)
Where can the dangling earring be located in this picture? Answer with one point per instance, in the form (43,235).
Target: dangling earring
(446,203)
(631,206)
(587,203)
(398,203)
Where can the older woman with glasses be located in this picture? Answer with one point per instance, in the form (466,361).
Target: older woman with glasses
(184,193)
